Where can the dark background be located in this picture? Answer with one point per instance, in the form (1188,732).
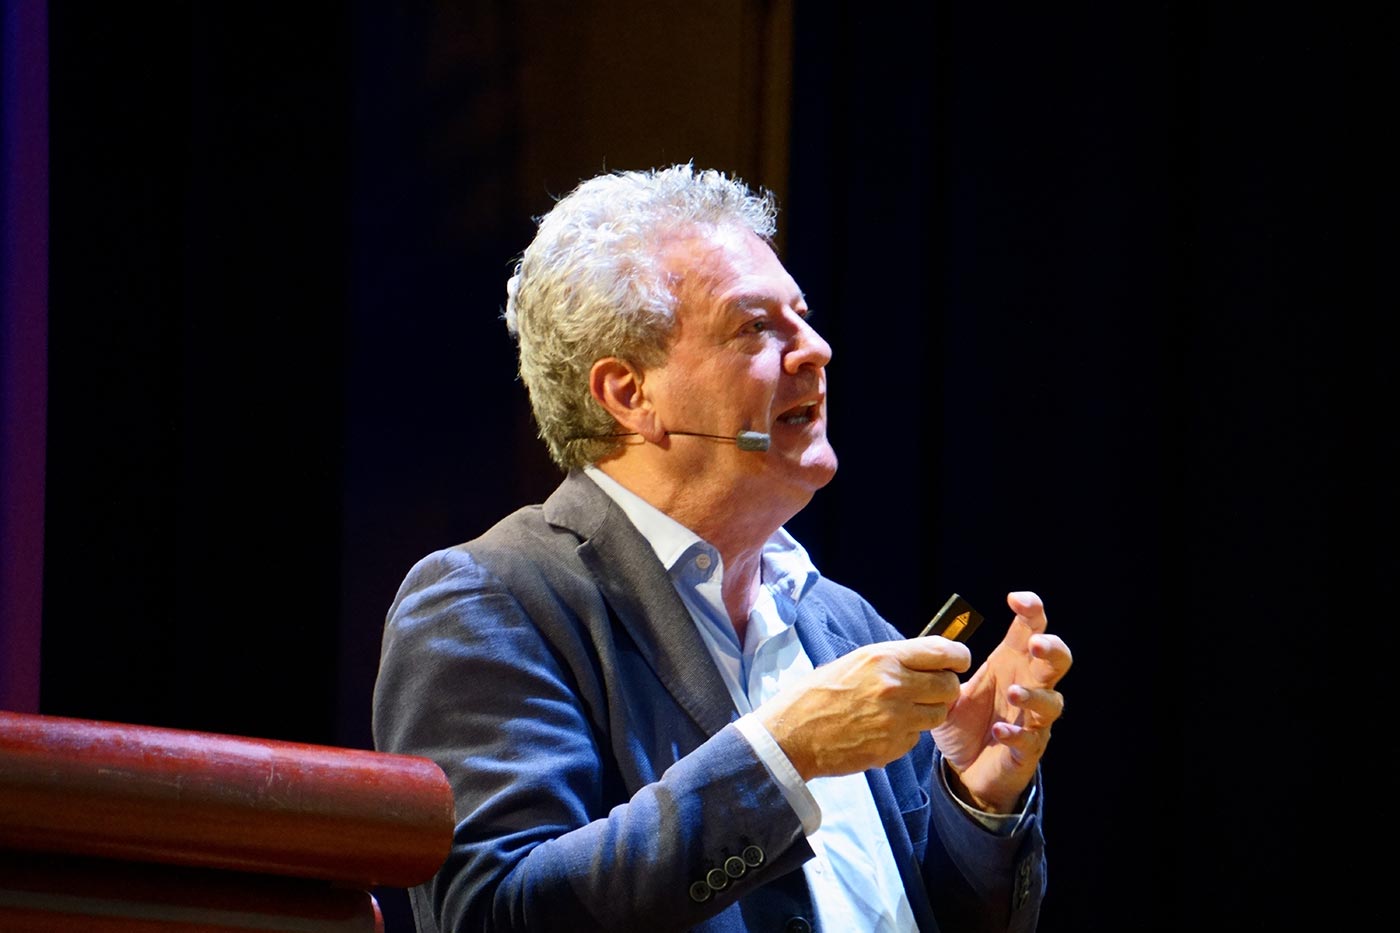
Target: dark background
(1104,289)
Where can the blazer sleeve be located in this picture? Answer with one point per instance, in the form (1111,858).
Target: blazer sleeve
(551,832)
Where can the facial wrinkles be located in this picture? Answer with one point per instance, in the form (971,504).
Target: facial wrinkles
(783,351)
(726,281)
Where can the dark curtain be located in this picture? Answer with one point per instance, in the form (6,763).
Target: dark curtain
(197,361)
(24,242)
(1107,302)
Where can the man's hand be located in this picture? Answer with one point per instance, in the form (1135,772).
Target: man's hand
(866,708)
(995,734)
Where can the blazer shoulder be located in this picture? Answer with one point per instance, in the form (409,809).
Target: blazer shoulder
(520,550)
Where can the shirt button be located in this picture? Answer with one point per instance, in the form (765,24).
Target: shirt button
(703,561)
(798,925)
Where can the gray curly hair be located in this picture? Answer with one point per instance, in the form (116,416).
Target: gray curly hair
(591,284)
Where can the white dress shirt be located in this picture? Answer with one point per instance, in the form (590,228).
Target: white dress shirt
(853,877)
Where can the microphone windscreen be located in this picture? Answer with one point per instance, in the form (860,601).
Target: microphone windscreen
(752,440)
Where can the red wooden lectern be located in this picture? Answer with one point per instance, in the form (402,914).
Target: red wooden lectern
(107,827)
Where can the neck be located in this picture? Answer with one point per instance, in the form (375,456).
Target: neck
(736,521)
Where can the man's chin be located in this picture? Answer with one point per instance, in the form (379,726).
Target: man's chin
(819,466)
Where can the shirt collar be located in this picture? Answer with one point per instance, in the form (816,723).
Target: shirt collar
(787,568)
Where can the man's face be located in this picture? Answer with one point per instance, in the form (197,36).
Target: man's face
(743,357)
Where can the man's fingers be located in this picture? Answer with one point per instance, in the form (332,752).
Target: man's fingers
(929,716)
(1028,608)
(932,653)
(1052,650)
(1026,742)
(1043,706)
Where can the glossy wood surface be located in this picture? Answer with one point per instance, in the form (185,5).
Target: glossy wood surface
(149,794)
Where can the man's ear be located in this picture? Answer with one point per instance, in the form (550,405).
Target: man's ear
(617,386)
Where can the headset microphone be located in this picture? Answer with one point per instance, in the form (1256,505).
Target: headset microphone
(752,440)
(744,440)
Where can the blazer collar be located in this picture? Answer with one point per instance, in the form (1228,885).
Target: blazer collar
(645,601)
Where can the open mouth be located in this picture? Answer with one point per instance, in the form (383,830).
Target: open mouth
(805,413)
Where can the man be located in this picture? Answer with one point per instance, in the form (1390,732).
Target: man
(654,712)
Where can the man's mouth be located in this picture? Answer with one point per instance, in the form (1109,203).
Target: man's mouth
(805,413)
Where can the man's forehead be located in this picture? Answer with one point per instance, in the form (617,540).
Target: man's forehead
(706,261)
(691,249)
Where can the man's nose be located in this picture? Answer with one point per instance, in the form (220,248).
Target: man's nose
(808,348)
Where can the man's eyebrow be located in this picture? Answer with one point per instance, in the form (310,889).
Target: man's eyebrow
(745,300)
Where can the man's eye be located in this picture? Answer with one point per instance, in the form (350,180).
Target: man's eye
(757,326)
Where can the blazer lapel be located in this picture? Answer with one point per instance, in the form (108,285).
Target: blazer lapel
(822,642)
(644,599)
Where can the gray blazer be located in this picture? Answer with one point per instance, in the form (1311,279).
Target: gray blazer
(553,672)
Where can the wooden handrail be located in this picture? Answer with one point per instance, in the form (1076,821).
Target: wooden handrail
(148,794)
